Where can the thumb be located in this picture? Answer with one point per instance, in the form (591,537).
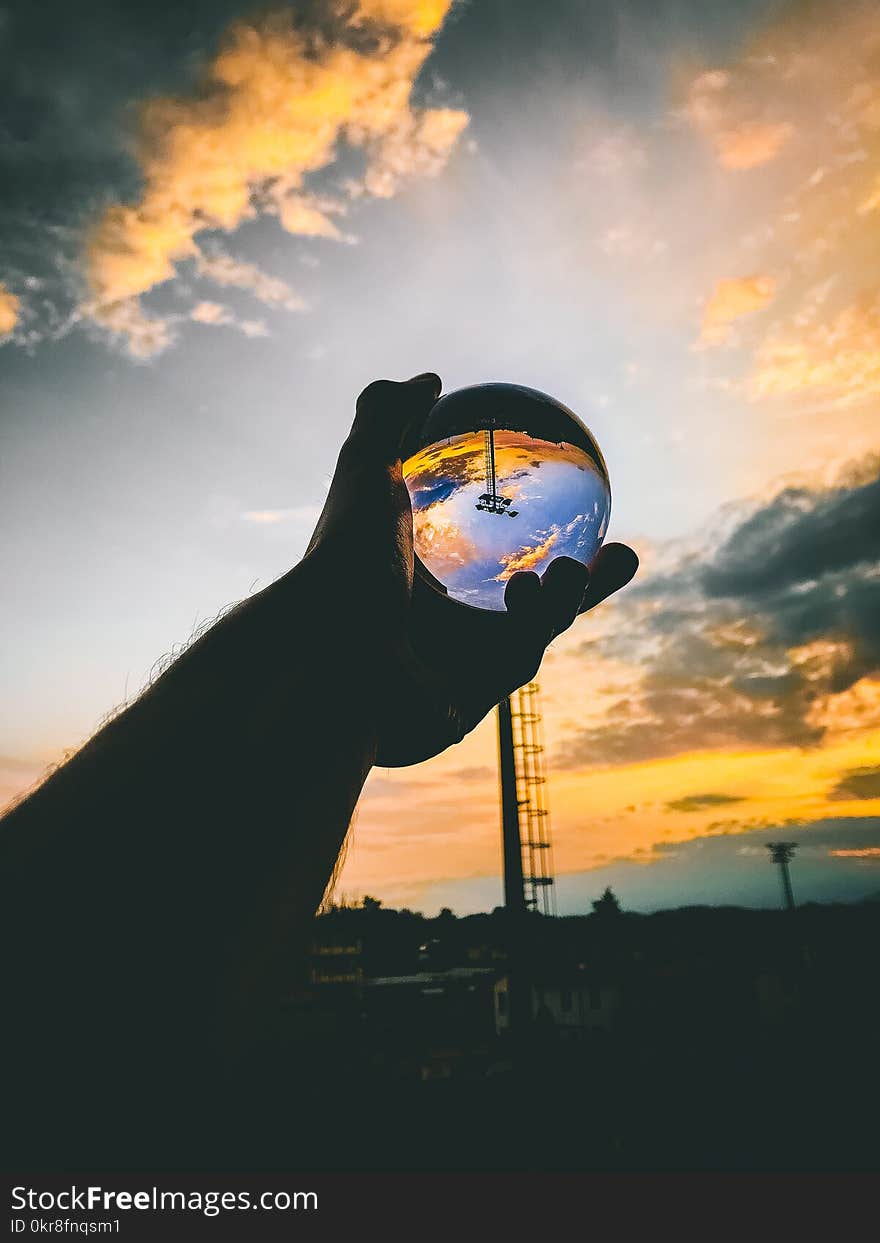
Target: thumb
(386,408)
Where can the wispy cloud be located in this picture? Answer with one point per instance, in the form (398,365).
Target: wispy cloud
(837,358)
(234,273)
(699,802)
(217,315)
(210,313)
(144,335)
(804,95)
(272,517)
(731,299)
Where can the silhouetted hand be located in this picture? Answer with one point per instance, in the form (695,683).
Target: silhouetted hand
(435,666)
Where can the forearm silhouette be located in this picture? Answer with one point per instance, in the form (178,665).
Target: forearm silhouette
(155,884)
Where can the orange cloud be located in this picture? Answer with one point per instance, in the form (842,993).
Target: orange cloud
(731,299)
(719,107)
(276,103)
(440,541)
(307,216)
(751,145)
(9,311)
(421,17)
(838,358)
(527,557)
(849,712)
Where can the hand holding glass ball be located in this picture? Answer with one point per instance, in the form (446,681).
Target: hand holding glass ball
(476,518)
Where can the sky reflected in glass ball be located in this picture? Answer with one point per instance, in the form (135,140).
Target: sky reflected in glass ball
(490,502)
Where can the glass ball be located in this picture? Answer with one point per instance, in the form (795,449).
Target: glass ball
(502,478)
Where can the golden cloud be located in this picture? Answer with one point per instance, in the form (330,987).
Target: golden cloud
(751,145)
(719,107)
(850,712)
(420,17)
(730,300)
(9,311)
(308,217)
(838,357)
(527,557)
(275,104)
(440,541)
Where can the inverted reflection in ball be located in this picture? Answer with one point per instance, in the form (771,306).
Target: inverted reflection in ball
(502,478)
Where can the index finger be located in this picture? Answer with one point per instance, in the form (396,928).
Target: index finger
(613,567)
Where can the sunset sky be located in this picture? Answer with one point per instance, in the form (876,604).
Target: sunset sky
(218,223)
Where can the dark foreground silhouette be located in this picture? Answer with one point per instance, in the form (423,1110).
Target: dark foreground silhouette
(156,888)
(713,1039)
(699,1039)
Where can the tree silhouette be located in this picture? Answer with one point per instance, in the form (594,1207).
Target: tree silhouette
(607,905)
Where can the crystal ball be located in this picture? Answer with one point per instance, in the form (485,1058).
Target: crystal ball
(502,478)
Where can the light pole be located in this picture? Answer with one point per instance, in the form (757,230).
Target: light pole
(781,852)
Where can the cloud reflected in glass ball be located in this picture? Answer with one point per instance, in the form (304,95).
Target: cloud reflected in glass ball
(502,478)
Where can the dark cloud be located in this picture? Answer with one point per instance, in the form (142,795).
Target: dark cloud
(737,649)
(698,802)
(70,73)
(808,564)
(858,783)
(797,540)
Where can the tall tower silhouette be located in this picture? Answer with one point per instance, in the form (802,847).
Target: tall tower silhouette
(781,852)
(492,502)
(525,831)
(525,820)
